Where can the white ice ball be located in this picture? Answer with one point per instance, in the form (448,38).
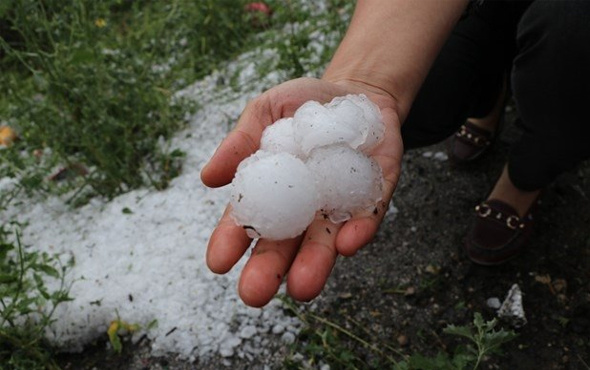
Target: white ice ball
(273,196)
(347,181)
(316,126)
(279,137)
(371,122)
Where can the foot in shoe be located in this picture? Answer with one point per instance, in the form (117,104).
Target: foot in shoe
(507,192)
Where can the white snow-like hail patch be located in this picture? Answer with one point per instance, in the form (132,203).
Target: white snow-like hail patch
(148,264)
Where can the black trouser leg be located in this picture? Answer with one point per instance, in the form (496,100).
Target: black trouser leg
(467,76)
(551,86)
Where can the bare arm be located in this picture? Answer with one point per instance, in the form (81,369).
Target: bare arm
(386,54)
(391,44)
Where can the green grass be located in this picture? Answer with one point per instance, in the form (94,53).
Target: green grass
(26,304)
(92,81)
(350,345)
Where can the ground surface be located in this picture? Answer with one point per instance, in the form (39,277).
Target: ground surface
(419,248)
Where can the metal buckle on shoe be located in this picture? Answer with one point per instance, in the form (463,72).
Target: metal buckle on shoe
(462,131)
(513,222)
(483,210)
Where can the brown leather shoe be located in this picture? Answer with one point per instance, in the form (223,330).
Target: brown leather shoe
(470,143)
(498,233)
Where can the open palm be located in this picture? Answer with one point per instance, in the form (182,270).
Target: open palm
(308,259)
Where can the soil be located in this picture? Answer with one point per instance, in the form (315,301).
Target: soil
(414,279)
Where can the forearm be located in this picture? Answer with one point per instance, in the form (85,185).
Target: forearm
(391,44)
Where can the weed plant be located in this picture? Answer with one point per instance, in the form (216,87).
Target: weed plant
(26,304)
(92,81)
(323,341)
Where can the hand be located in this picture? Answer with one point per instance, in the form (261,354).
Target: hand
(309,259)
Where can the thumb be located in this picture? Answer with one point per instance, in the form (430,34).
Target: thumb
(240,143)
(220,169)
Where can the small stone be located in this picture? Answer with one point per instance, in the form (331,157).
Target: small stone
(560,285)
(410,291)
(297,357)
(248,332)
(512,309)
(391,210)
(440,156)
(431,269)
(543,279)
(278,329)
(402,340)
(494,303)
(288,337)
(226,352)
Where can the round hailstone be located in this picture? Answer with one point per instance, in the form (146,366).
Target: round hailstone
(372,125)
(273,196)
(315,126)
(348,181)
(278,137)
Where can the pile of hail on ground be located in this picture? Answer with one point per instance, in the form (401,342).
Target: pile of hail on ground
(318,160)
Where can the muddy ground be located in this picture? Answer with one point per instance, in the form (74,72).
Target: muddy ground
(418,250)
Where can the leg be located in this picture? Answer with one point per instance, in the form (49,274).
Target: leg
(551,80)
(551,85)
(467,75)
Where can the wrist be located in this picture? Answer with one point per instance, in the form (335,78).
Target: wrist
(385,92)
(391,44)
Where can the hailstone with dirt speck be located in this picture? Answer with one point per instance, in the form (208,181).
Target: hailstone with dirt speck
(273,196)
(315,161)
(347,181)
(371,123)
(315,126)
(278,137)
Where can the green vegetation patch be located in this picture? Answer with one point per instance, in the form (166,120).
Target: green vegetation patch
(90,82)
(26,304)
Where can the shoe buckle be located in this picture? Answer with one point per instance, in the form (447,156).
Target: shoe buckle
(483,210)
(513,222)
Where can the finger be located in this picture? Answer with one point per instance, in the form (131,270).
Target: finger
(241,142)
(361,229)
(315,260)
(264,271)
(220,169)
(227,244)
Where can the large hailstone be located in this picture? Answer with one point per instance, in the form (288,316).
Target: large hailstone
(371,124)
(315,126)
(352,119)
(273,196)
(347,181)
(279,137)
